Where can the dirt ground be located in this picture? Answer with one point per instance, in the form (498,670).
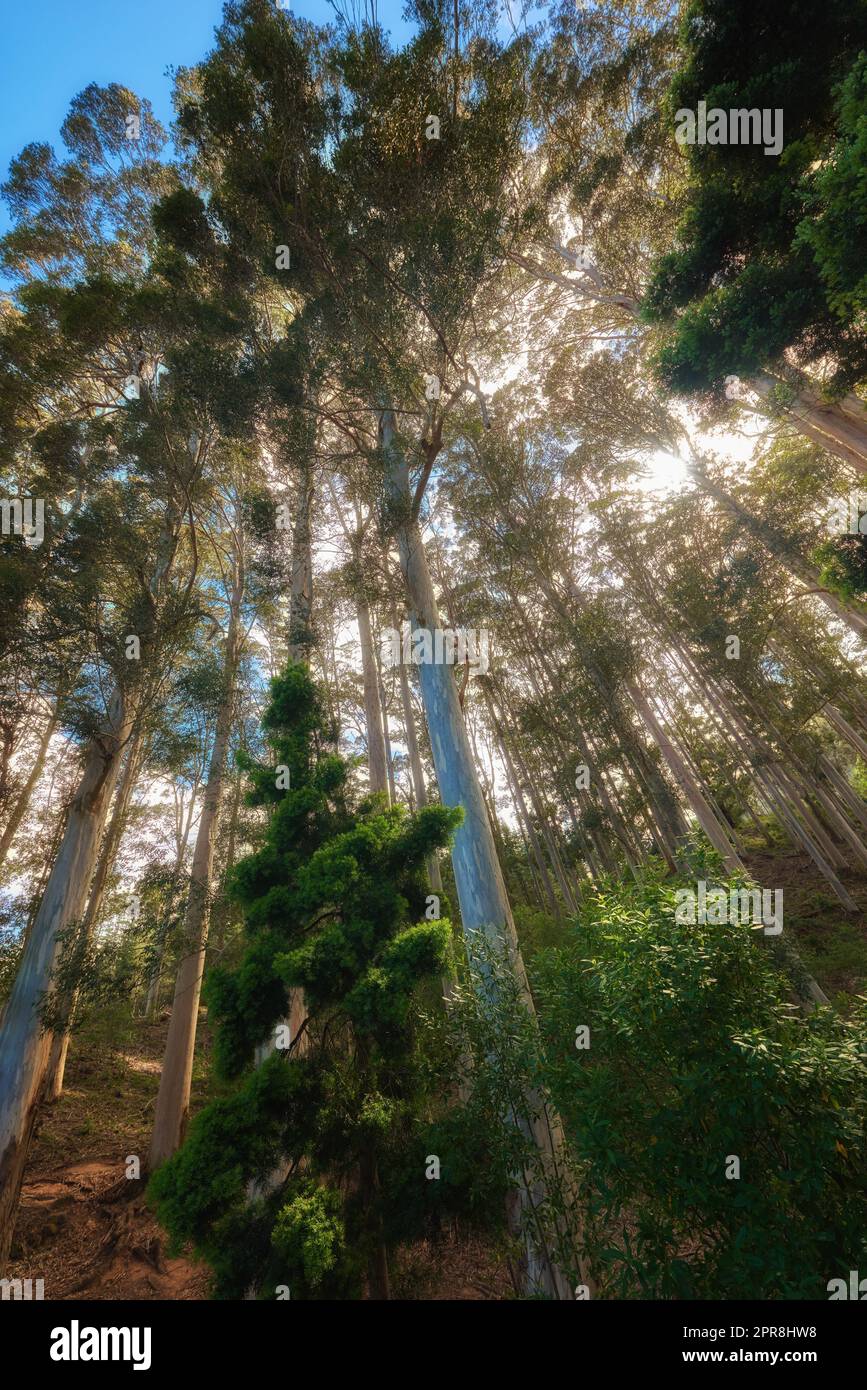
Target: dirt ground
(831,941)
(86,1231)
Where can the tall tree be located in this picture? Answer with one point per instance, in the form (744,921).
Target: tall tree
(335,905)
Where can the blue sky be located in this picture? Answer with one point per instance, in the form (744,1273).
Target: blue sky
(54,48)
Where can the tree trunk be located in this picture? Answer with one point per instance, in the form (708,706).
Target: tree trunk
(835,428)
(181,841)
(846,792)
(225,909)
(845,730)
(386,736)
(377,768)
(665,818)
(301,638)
(416,771)
(733,725)
(378,1282)
(481,890)
(155,985)
(813,788)
(19,810)
(60,1039)
(524,779)
(173,1097)
(526,823)
(696,800)
(301,595)
(24,1047)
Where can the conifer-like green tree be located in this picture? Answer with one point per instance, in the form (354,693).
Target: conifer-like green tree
(278,1185)
(756,270)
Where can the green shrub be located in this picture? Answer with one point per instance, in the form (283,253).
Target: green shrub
(696,1058)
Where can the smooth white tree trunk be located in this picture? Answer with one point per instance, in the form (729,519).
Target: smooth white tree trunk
(24,1047)
(835,427)
(60,1042)
(173,1096)
(376,758)
(19,810)
(484,903)
(715,832)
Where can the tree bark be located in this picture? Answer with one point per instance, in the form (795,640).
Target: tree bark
(484,904)
(842,726)
(376,761)
(835,427)
(173,1097)
(301,637)
(224,914)
(19,810)
(386,736)
(694,796)
(525,821)
(526,780)
(60,1039)
(772,796)
(24,1047)
(415,767)
(301,594)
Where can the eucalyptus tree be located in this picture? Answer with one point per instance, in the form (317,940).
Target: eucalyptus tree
(354,146)
(178,761)
(136,623)
(65,1001)
(510,492)
(364,585)
(715,610)
(80,239)
(191,388)
(81,236)
(230,547)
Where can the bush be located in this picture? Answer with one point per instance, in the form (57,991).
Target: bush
(696,1059)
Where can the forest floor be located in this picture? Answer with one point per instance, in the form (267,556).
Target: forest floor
(831,941)
(78,1229)
(81,1231)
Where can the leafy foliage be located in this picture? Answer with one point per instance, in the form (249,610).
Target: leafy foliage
(757,268)
(335,905)
(697,1056)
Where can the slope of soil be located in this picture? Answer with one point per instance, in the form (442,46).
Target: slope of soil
(831,941)
(83,1226)
(85,1229)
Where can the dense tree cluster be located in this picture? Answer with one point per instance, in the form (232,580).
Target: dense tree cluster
(432,541)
